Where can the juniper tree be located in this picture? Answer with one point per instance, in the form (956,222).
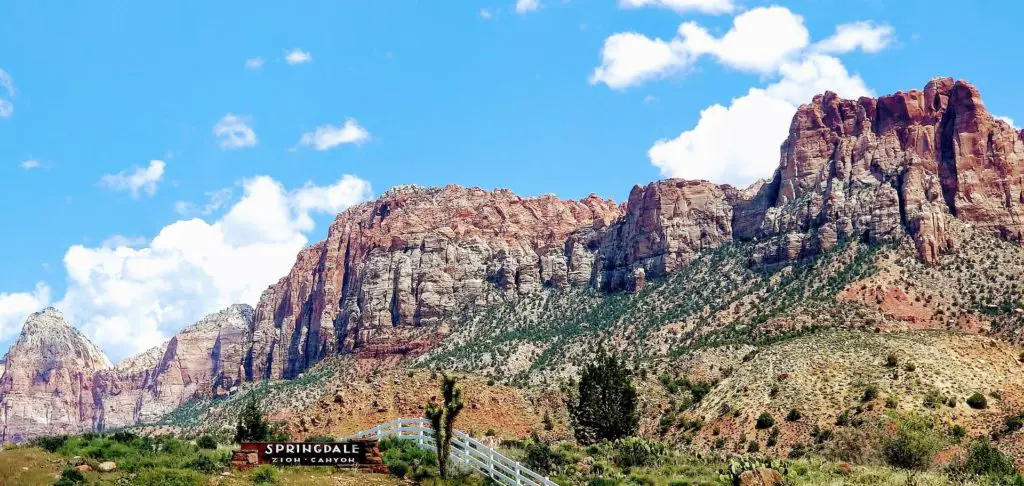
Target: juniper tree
(605,403)
(251,426)
(442,419)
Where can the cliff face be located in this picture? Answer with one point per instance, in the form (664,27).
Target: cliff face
(871,169)
(47,383)
(415,256)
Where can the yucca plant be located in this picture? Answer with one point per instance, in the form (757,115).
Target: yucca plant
(442,419)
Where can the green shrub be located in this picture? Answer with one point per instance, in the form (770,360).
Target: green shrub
(913,446)
(799,450)
(169,477)
(50,443)
(764,421)
(398,468)
(320,438)
(984,459)
(203,463)
(123,436)
(637,452)
(870,393)
(602,482)
(206,442)
(843,419)
(891,361)
(265,474)
(539,455)
(1014,423)
(793,415)
(977,401)
(73,475)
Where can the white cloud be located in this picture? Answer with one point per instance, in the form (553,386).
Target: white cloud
(329,136)
(1008,120)
(127,298)
(15,307)
(523,6)
(30,164)
(234,132)
(297,56)
(486,14)
(684,6)
(137,180)
(215,200)
(121,240)
(254,63)
(761,117)
(6,86)
(760,40)
(629,59)
(865,36)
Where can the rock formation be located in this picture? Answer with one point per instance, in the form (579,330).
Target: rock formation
(870,169)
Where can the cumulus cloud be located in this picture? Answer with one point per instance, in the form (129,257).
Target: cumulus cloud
(137,181)
(761,118)
(523,6)
(760,41)
(486,14)
(865,36)
(234,132)
(684,6)
(15,307)
(629,59)
(254,63)
(327,137)
(6,92)
(128,296)
(1008,120)
(297,56)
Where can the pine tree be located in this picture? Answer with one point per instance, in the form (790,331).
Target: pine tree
(605,402)
(251,426)
(442,419)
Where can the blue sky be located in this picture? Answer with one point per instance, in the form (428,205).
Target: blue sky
(539,98)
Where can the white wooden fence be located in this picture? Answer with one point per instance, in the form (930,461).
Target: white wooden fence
(465,449)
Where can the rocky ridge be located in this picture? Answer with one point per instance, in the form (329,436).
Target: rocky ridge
(403,266)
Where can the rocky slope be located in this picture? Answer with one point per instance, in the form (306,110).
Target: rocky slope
(398,274)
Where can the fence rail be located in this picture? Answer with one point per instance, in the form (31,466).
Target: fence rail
(465,449)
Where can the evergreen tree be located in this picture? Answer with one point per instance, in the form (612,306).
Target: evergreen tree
(605,402)
(442,419)
(251,426)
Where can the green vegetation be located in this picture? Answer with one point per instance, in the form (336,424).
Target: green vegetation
(977,400)
(605,405)
(251,426)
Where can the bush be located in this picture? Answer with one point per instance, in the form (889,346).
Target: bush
(73,475)
(538,455)
(637,452)
(891,361)
(793,415)
(977,401)
(753,447)
(206,442)
(764,421)
(203,463)
(913,447)
(1014,423)
(843,419)
(984,459)
(169,477)
(50,443)
(265,474)
(870,393)
(124,436)
(399,468)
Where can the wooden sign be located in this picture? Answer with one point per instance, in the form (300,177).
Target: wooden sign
(358,453)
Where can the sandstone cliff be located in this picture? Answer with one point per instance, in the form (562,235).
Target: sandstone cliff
(413,260)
